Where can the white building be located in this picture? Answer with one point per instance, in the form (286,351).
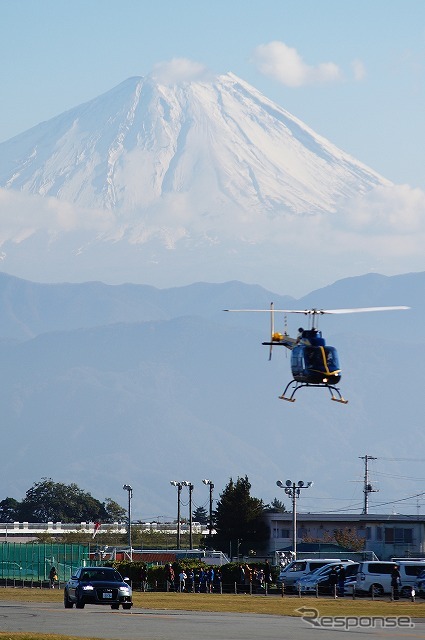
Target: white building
(386,535)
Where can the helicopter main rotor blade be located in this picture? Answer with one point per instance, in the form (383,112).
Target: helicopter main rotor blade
(363,309)
(319,312)
(264,311)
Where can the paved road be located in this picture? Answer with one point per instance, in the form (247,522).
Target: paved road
(144,624)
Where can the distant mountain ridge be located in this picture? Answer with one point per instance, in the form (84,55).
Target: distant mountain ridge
(28,309)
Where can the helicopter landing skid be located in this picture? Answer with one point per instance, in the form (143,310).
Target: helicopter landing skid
(334,391)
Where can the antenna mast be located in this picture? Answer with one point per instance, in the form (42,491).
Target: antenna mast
(367,486)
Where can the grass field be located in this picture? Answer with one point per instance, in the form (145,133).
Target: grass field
(274,605)
(39,636)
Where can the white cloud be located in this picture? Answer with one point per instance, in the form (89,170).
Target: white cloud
(22,215)
(395,210)
(284,64)
(179,70)
(382,230)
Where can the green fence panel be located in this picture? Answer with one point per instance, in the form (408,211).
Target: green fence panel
(33,561)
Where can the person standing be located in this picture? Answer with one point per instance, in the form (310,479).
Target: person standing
(260,578)
(210,580)
(170,577)
(182,580)
(333,580)
(191,581)
(217,580)
(247,574)
(143,578)
(341,580)
(242,574)
(201,580)
(395,582)
(53,576)
(267,574)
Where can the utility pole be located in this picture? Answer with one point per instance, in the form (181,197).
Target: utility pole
(367,486)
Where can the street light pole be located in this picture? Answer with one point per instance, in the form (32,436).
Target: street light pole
(179,490)
(210,524)
(190,485)
(293,490)
(128,488)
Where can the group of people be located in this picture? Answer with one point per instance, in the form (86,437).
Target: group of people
(256,576)
(337,578)
(194,581)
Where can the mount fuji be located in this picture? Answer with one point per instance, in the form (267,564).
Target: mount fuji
(205,179)
(220,143)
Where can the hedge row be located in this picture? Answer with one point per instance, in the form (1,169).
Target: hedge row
(230,573)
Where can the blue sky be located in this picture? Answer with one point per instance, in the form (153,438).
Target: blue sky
(353,70)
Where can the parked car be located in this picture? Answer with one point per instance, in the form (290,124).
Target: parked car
(375,576)
(420,584)
(350,584)
(319,580)
(97,585)
(300,568)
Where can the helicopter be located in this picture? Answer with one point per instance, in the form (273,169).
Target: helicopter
(313,363)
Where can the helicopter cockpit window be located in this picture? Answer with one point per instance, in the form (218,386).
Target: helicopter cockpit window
(331,358)
(313,358)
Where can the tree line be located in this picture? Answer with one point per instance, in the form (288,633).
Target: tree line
(49,501)
(237,519)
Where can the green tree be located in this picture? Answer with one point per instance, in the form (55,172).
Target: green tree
(239,519)
(9,509)
(200,515)
(347,538)
(52,501)
(116,513)
(276,506)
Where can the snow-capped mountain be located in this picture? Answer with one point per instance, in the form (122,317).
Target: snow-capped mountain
(210,169)
(219,142)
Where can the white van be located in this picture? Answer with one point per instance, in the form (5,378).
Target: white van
(299,568)
(375,576)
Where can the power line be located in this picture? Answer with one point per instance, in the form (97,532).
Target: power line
(392,475)
(403,459)
(380,504)
(416,495)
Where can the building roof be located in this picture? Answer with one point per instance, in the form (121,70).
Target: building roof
(344,517)
(314,547)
